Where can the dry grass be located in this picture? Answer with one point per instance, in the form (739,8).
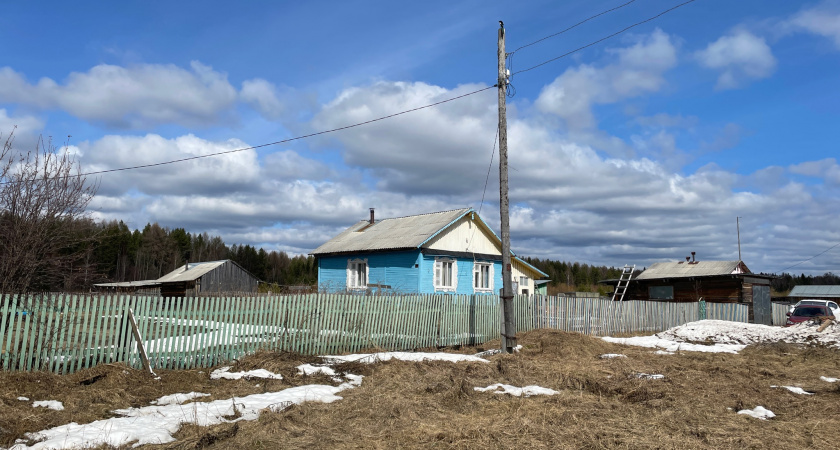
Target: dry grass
(602,403)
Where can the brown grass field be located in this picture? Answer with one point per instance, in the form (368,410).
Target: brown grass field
(602,404)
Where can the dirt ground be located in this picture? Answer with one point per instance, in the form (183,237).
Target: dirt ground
(602,403)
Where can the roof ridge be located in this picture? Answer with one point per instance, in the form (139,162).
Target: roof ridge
(423,214)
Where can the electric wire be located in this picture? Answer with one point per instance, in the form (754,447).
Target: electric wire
(573,26)
(296,138)
(511,91)
(605,37)
(806,260)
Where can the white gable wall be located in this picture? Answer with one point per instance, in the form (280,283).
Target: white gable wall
(457,238)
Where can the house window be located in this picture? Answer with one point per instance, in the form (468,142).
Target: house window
(483,277)
(446,274)
(523,282)
(661,292)
(357,274)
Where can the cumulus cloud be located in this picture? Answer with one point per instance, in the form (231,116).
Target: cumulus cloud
(823,20)
(740,57)
(437,150)
(639,70)
(138,96)
(25,129)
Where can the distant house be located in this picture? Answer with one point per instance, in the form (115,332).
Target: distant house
(819,292)
(712,281)
(444,252)
(688,281)
(191,280)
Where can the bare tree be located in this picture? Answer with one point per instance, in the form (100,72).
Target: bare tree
(43,196)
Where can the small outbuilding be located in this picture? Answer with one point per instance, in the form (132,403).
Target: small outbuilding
(192,280)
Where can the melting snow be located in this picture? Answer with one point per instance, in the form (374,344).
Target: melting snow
(178,399)
(527,391)
(612,355)
(722,336)
(402,356)
(223,372)
(828,379)
(795,390)
(51,404)
(23,399)
(759,412)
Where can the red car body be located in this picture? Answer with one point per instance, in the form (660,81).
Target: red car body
(804,313)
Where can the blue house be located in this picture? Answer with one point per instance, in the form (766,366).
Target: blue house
(451,252)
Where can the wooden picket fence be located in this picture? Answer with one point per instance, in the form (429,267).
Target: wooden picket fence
(63,333)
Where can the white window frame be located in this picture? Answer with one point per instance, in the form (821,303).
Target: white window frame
(439,283)
(477,267)
(353,273)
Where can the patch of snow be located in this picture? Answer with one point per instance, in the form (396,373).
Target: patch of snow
(526,391)
(491,352)
(156,424)
(23,399)
(224,372)
(663,352)
(722,336)
(178,399)
(828,379)
(795,390)
(371,358)
(612,355)
(649,376)
(51,404)
(759,412)
(309,369)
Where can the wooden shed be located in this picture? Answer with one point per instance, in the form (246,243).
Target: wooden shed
(712,281)
(194,279)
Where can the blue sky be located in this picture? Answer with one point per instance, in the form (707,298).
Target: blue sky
(639,149)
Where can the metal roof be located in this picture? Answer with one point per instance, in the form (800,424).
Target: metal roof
(815,291)
(194,272)
(142,283)
(684,269)
(391,234)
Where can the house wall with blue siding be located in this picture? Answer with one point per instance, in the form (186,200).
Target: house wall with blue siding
(465,275)
(395,269)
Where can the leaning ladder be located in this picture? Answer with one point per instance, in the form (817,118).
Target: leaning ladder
(623,282)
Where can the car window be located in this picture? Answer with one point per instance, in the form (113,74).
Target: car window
(832,305)
(809,311)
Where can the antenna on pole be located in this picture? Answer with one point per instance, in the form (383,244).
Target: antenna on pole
(738,226)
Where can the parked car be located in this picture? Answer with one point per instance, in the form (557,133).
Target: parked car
(835,308)
(806,312)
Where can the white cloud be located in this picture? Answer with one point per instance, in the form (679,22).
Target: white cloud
(138,96)
(639,70)
(262,96)
(823,20)
(25,129)
(740,56)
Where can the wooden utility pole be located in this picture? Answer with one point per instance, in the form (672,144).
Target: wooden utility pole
(508,323)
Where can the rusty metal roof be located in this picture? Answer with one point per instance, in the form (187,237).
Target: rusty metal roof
(815,291)
(391,234)
(684,269)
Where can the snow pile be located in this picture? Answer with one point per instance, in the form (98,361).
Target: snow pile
(721,336)
(759,412)
(224,372)
(51,404)
(178,399)
(526,391)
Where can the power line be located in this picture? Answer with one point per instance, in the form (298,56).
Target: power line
(806,260)
(142,166)
(605,38)
(573,26)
